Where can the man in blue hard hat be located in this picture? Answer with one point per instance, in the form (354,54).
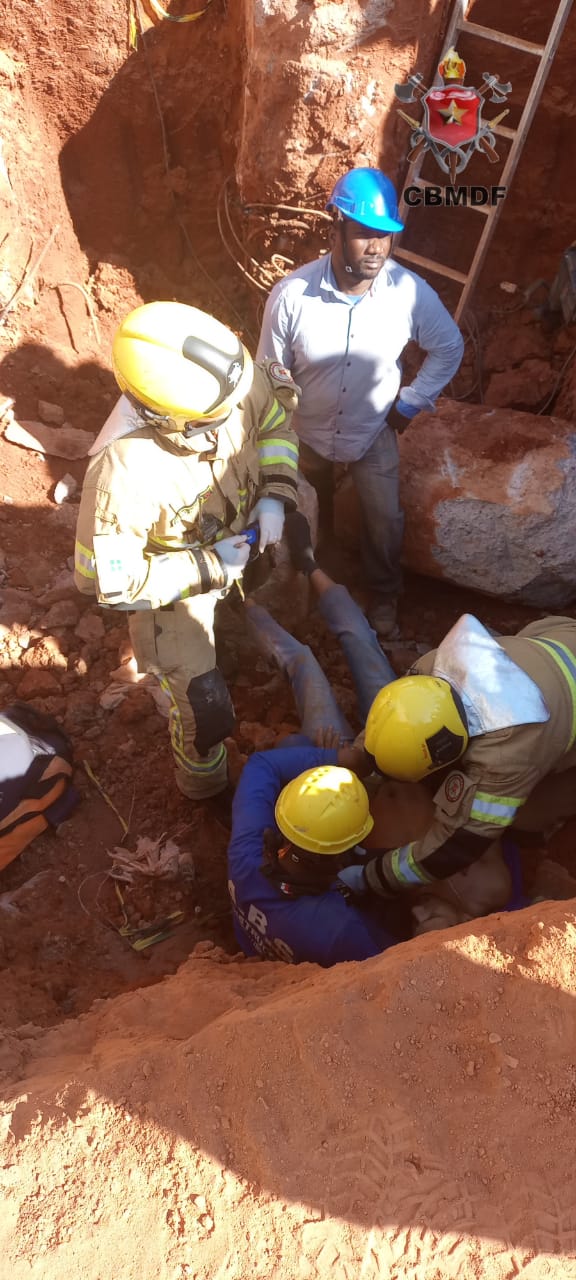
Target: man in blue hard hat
(340,325)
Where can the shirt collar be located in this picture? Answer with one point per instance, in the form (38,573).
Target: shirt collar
(329,284)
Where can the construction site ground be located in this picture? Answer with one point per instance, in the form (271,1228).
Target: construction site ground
(179,1111)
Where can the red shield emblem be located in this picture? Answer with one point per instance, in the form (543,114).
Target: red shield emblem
(452,115)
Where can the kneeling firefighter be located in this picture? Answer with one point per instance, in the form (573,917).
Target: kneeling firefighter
(505,710)
(198,447)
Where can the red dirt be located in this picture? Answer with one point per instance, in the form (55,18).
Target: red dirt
(207,1163)
(410,1117)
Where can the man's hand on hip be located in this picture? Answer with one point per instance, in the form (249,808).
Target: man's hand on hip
(397,420)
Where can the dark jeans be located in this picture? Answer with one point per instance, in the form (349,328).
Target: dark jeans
(369,668)
(376,478)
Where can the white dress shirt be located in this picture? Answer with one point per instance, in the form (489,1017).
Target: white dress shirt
(344,351)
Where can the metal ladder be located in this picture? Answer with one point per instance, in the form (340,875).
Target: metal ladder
(545,55)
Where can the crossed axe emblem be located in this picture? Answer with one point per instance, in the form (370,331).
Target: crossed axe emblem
(493,90)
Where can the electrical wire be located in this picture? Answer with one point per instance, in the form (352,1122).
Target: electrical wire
(266,280)
(288,208)
(262,276)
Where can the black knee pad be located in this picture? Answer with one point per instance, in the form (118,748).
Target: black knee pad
(213,711)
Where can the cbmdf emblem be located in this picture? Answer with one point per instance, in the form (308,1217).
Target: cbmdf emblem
(452,127)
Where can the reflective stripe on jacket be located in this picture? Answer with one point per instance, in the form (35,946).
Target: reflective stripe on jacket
(481,796)
(152,498)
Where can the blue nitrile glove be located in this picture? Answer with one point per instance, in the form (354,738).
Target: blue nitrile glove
(233,552)
(269,512)
(354,879)
(400,415)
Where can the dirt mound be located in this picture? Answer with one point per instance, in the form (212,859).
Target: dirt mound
(409,1117)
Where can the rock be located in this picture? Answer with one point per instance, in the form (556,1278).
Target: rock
(64,613)
(508,346)
(63,588)
(15,637)
(490,502)
(37,683)
(565,405)
(16,606)
(47,653)
(51,413)
(80,709)
(64,516)
(258,736)
(90,628)
(61,442)
(526,387)
(66,488)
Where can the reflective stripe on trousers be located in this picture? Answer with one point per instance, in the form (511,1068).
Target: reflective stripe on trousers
(175,646)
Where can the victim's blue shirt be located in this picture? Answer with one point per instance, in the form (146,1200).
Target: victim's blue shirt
(322,928)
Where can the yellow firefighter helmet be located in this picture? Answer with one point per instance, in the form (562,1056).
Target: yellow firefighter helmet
(180,363)
(415,726)
(324,810)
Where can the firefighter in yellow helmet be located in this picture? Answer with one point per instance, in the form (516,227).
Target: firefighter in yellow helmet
(498,717)
(198,446)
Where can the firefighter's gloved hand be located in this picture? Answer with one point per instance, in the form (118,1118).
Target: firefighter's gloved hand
(234,553)
(354,879)
(269,512)
(400,416)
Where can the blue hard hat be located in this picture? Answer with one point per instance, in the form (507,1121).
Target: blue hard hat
(367,196)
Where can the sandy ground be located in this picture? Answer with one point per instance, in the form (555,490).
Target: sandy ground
(407,1119)
(410,1117)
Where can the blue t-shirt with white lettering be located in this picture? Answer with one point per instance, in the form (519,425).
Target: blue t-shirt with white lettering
(322,928)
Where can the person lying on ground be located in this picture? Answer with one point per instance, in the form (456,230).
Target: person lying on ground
(298,817)
(475,893)
(299,820)
(287,904)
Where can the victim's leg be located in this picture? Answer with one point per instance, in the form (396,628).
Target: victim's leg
(369,667)
(315,701)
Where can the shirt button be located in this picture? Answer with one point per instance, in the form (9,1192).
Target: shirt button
(343,388)
(348,363)
(339,413)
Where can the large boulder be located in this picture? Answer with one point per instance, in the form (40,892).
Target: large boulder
(490,498)
(490,502)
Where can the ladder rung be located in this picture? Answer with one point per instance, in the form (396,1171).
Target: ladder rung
(501,37)
(440,270)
